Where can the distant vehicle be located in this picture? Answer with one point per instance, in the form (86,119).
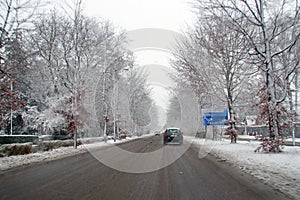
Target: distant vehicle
(172,135)
(122,135)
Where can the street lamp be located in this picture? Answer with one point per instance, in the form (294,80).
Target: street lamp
(115,98)
(293,120)
(11,112)
(115,104)
(103,99)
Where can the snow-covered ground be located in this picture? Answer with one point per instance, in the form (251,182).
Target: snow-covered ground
(280,170)
(20,160)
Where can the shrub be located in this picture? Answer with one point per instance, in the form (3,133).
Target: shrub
(49,145)
(15,149)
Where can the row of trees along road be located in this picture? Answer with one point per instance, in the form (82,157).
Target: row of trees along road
(53,66)
(237,49)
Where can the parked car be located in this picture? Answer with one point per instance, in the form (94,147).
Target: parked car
(173,135)
(122,135)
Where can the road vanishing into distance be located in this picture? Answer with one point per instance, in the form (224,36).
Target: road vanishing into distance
(84,177)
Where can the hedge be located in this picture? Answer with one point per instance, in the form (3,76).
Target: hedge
(11,139)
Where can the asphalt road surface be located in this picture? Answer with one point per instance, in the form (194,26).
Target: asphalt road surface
(84,177)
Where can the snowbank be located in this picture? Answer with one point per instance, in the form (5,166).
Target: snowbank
(280,170)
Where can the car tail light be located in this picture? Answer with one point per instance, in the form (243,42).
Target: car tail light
(180,135)
(165,135)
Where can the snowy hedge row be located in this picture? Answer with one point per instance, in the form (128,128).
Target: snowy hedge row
(53,144)
(49,145)
(26,148)
(10,139)
(15,149)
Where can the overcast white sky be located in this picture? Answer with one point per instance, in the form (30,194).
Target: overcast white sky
(135,14)
(130,15)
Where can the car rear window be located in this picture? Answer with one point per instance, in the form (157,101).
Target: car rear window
(173,131)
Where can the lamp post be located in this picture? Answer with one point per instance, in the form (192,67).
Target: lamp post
(75,109)
(115,104)
(105,122)
(11,112)
(115,99)
(103,99)
(115,91)
(293,120)
(130,69)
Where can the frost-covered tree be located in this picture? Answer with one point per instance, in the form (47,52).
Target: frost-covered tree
(213,59)
(115,59)
(74,56)
(173,113)
(188,61)
(269,21)
(183,108)
(228,51)
(45,40)
(15,18)
(140,102)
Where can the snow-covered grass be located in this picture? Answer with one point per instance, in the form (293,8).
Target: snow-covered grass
(20,160)
(280,170)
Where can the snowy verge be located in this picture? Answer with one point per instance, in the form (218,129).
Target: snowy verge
(279,170)
(21,160)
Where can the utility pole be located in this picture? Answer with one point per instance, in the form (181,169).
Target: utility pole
(115,104)
(296,104)
(11,112)
(103,93)
(103,99)
(75,115)
(293,118)
(105,121)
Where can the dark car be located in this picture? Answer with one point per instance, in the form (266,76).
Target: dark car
(173,135)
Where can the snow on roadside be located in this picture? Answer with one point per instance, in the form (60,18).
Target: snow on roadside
(279,170)
(20,160)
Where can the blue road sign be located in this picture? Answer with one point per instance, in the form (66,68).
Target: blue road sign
(215,118)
